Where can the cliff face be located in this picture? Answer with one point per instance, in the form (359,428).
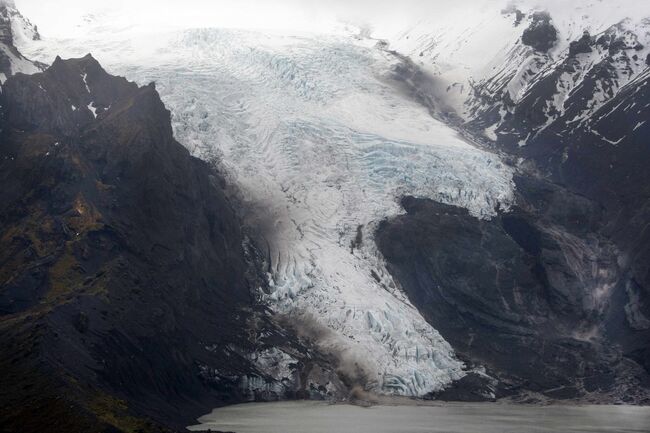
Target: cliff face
(126,284)
(539,295)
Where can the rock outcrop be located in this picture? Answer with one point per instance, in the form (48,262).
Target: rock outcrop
(537,295)
(540,34)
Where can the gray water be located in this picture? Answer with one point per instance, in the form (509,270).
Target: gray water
(317,417)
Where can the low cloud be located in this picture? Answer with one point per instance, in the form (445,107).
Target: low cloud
(316,15)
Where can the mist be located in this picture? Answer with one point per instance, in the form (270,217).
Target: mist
(382,16)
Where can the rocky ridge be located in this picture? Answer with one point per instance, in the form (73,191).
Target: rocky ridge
(11,60)
(129,293)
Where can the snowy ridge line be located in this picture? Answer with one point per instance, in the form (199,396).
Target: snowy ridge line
(572,77)
(14,28)
(319,143)
(484,71)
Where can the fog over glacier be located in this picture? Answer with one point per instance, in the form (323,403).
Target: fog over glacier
(384,16)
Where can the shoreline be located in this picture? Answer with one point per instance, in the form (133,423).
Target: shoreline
(309,416)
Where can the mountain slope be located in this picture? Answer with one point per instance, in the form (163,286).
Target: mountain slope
(127,287)
(563,93)
(581,121)
(509,67)
(532,295)
(536,90)
(12,26)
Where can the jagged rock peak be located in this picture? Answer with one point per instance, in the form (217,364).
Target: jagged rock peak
(540,35)
(79,91)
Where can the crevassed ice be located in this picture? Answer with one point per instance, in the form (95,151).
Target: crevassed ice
(318,140)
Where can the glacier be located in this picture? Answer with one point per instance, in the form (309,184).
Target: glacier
(321,145)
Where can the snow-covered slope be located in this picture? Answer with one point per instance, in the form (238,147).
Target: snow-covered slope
(321,145)
(14,29)
(492,58)
(534,89)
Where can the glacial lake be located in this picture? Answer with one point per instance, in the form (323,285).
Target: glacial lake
(319,417)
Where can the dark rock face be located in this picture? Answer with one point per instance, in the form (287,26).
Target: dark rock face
(581,46)
(6,36)
(473,387)
(540,35)
(607,161)
(529,294)
(6,39)
(127,287)
(605,158)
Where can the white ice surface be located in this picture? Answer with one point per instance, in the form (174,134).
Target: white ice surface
(318,142)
